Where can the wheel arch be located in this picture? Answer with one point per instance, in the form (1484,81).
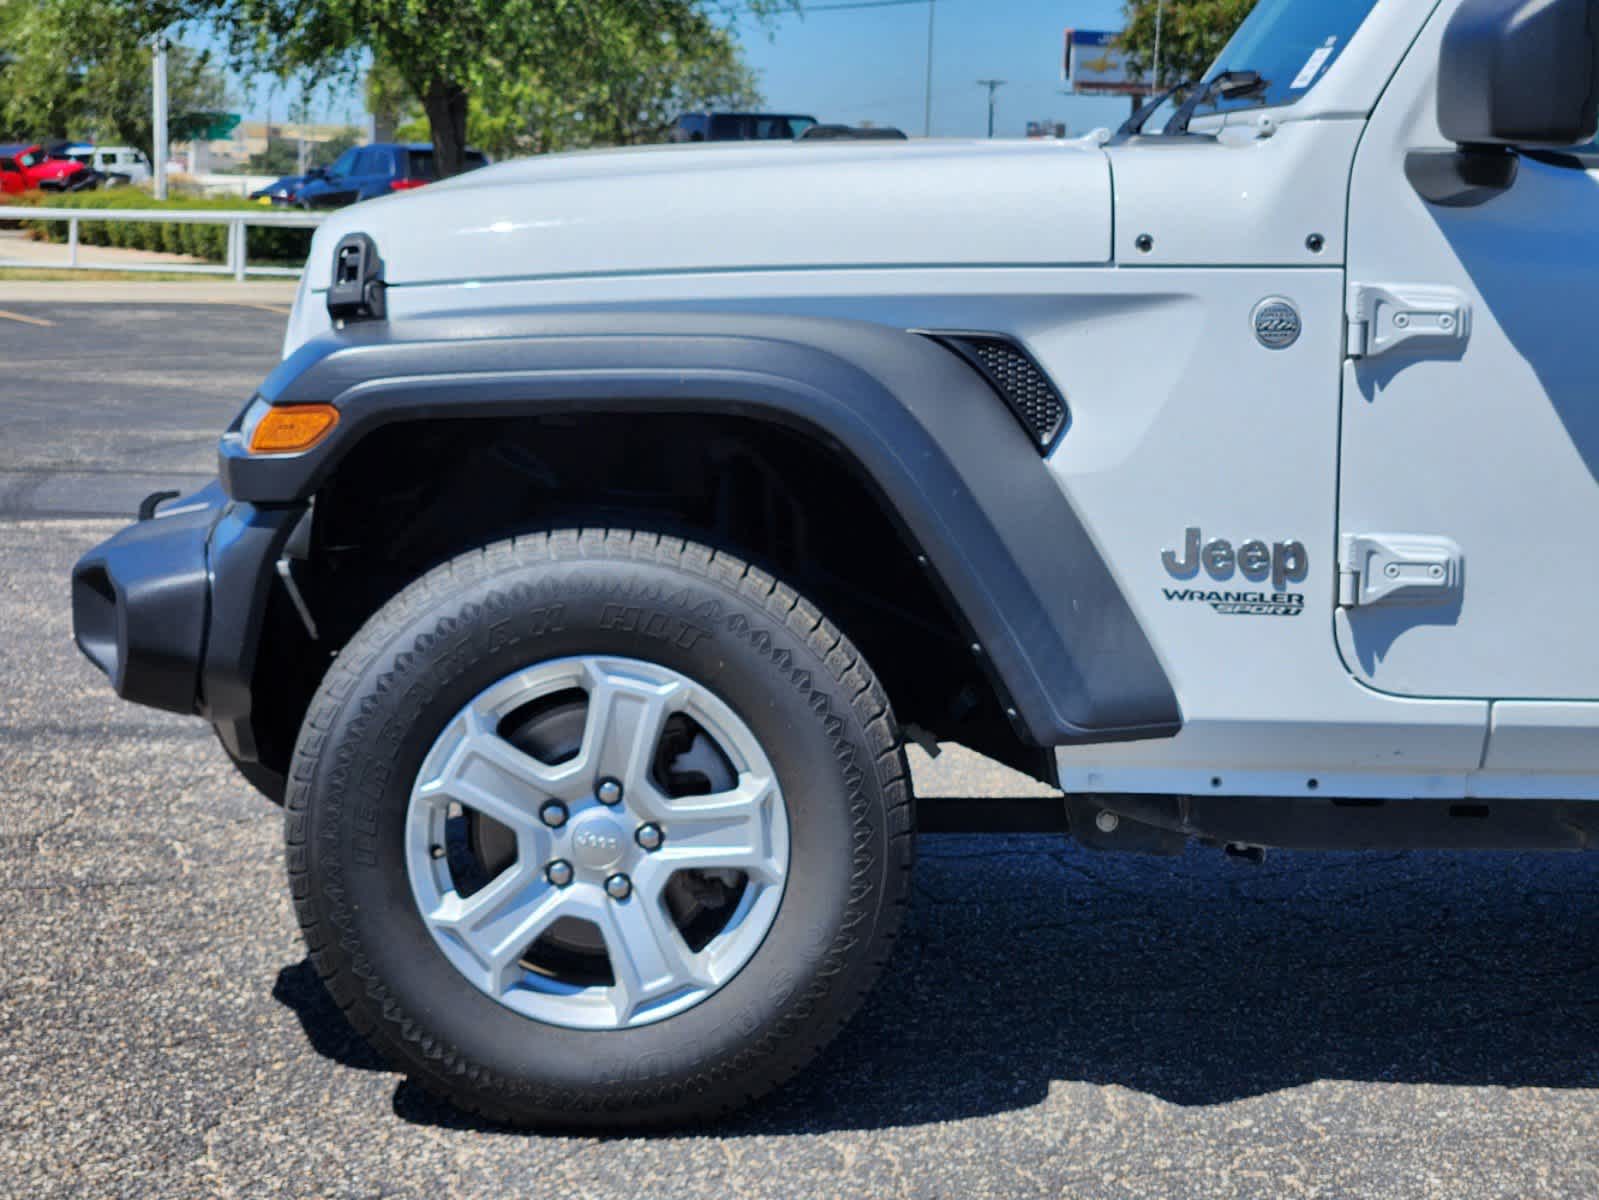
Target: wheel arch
(926,437)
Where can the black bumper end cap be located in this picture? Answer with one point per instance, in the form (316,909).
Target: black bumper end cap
(139,603)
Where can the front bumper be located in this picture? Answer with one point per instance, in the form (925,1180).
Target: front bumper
(172,608)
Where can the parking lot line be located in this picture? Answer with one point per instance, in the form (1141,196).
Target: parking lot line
(12,316)
(271,308)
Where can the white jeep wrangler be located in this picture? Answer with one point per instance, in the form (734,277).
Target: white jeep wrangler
(613,518)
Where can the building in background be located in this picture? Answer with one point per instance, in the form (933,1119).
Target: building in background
(251,139)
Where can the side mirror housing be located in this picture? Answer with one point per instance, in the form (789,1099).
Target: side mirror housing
(1520,73)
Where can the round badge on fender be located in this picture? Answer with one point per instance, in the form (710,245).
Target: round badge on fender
(1276,323)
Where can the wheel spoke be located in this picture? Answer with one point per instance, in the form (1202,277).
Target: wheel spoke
(728,830)
(625,719)
(485,772)
(499,922)
(649,958)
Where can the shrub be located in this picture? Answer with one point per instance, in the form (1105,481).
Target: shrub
(209,242)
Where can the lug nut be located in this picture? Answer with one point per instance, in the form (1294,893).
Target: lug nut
(649,837)
(609,792)
(618,887)
(553,814)
(559,872)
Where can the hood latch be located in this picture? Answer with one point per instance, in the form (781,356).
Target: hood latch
(357,290)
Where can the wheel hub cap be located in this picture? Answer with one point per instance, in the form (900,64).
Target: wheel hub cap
(598,842)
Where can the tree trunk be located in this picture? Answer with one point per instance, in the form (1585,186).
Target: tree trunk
(445,105)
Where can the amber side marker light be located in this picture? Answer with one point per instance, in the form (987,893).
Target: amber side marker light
(292,428)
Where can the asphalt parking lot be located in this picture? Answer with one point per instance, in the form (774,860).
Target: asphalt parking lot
(1056,1024)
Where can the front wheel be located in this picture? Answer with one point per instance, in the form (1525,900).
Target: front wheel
(599,829)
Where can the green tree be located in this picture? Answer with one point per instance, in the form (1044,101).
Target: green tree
(323,153)
(631,100)
(550,61)
(1192,34)
(391,103)
(75,69)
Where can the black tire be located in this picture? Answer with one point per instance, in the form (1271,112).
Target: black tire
(803,690)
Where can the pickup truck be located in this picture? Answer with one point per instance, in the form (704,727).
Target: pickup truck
(26,168)
(614,521)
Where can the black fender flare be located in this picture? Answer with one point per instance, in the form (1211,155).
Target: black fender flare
(997,531)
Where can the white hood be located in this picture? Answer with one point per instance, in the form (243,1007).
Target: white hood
(742,207)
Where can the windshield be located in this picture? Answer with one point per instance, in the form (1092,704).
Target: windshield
(32,158)
(1290,43)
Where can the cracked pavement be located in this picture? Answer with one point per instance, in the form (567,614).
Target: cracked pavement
(1055,1024)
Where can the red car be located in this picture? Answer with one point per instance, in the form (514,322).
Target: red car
(24,168)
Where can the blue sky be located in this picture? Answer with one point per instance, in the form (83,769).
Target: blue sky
(870,64)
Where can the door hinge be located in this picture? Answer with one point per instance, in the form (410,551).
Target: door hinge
(1397,568)
(1385,316)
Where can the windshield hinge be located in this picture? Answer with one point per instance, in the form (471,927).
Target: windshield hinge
(1385,316)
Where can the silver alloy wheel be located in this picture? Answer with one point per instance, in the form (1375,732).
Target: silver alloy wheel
(655,973)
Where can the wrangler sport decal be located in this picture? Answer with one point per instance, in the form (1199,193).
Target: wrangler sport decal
(1283,563)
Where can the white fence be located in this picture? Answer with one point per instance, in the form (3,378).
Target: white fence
(237,264)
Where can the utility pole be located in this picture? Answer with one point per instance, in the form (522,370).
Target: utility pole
(1160,14)
(932,20)
(993,85)
(158,113)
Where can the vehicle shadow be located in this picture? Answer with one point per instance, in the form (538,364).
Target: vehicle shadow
(299,989)
(1197,980)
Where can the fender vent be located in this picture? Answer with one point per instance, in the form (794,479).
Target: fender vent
(1020,381)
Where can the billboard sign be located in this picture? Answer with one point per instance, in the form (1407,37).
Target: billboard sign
(1097,66)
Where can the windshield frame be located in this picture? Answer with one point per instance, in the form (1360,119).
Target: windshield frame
(1313,63)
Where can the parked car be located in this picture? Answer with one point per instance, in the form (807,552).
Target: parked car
(740,127)
(25,167)
(118,164)
(362,172)
(582,626)
(282,190)
(853,133)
